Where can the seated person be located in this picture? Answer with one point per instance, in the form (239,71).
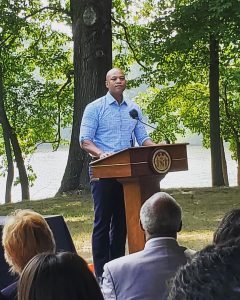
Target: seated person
(228,228)
(213,274)
(25,234)
(60,276)
(143,275)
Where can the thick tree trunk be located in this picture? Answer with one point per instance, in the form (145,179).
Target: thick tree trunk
(92,36)
(11,135)
(217,173)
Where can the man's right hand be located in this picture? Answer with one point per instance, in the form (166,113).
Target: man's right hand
(105,154)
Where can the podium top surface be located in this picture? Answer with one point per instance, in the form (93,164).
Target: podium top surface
(142,161)
(133,149)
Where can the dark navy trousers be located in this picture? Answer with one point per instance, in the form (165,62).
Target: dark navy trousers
(109,231)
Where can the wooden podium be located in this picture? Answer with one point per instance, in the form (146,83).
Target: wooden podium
(140,170)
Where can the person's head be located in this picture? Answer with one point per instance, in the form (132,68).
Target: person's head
(25,234)
(214,273)
(161,215)
(60,276)
(229,227)
(116,83)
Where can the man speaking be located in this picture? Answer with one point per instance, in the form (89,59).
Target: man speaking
(106,128)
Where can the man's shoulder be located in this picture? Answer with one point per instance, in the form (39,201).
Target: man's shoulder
(97,102)
(131,103)
(124,260)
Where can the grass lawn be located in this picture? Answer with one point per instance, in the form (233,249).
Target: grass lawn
(203,208)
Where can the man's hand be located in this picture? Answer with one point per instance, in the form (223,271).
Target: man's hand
(105,154)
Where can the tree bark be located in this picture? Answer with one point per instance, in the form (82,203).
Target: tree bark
(21,166)
(6,137)
(92,37)
(217,173)
(224,165)
(10,168)
(238,163)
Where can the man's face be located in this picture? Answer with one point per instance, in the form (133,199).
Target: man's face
(115,82)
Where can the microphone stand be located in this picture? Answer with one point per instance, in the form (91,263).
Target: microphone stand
(166,139)
(134,114)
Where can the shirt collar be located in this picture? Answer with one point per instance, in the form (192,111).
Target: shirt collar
(158,239)
(111,99)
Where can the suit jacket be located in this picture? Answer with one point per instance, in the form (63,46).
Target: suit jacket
(143,275)
(10,292)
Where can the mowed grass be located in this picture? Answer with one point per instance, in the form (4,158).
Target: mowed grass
(203,208)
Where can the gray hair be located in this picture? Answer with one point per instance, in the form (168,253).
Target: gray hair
(161,214)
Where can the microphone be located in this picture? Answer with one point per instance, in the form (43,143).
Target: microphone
(134,114)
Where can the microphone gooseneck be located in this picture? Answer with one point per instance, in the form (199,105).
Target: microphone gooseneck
(134,114)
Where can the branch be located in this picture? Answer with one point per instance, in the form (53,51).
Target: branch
(129,44)
(225,101)
(68,81)
(55,9)
(52,8)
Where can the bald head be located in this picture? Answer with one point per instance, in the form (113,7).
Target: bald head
(116,83)
(161,215)
(112,72)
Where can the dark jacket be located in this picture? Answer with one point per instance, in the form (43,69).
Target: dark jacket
(10,292)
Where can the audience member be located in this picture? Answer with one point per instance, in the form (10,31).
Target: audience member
(25,234)
(213,274)
(143,275)
(58,276)
(228,228)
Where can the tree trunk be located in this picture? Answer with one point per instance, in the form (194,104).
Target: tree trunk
(10,168)
(224,165)
(21,167)
(10,134)
(92,36)
(6,137)
(238,162)
(217,173)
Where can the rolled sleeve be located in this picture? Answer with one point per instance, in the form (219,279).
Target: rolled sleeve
(89,124)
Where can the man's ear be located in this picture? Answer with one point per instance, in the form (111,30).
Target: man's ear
(180,226)
(140,223)
(106,84)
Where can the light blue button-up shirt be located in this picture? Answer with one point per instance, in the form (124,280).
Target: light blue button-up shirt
(109,126)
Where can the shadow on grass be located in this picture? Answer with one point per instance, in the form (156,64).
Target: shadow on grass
(202,208)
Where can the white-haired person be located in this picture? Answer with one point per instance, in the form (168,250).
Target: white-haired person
(144,274)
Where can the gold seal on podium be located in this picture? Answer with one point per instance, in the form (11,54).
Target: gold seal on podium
(161,161)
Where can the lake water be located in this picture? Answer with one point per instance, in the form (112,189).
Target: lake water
(49,167)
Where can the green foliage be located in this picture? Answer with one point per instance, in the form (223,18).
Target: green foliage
(170,42)
(37,66)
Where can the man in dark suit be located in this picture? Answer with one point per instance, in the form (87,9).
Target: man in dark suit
(144,275)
